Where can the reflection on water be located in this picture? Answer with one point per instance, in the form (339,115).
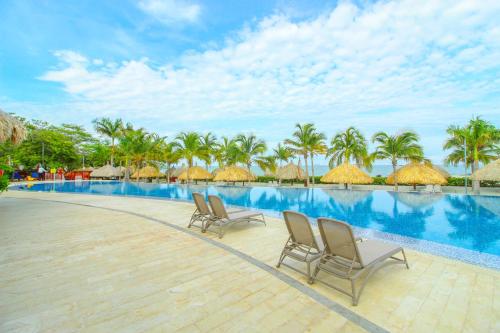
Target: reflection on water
(464,221)
(473,222)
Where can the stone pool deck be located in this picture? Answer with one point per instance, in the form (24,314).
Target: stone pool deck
(87,263)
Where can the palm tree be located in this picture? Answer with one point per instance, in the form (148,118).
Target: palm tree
(170,156)
(188,145)
(111,129)
(347,146)
(394,147)
(209,144)
(301,143)
(267,163)
(221,151)
(156,152)
(316,146)
(282,154)
(136,145)
(249,147)
(482,140)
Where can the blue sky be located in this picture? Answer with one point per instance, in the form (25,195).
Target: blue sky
(254,66)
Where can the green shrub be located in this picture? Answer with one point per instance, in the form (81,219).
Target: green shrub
(7,170)
(265,179)
(379,180)
(457,181)
(4,183)
(460,181)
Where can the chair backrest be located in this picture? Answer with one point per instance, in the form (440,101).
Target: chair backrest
(201,204)
(300,229)
(338,239)
(217,206)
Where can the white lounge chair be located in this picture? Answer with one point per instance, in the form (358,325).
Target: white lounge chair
(348,259)
(223,218)
(302,245)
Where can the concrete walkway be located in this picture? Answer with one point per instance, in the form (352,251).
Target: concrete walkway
(67,265)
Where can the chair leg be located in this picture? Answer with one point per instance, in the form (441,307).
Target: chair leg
(221,231)
(309,277)
(353,295)
(406,261)
(315,273)
(282,257)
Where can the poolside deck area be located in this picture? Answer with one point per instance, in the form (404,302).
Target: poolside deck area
(71,262)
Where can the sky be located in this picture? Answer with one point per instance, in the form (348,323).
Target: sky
(257,66)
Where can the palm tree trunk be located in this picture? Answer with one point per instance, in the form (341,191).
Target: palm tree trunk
(307,170)
(279,179)
(112,152)
(475,183)
(137,177)
(394,166)
(312,169)
(190,164)
(168,173)
(127,170)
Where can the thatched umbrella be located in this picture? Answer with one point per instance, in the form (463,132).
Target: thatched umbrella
(122,169)
(346,173)
(216,171)
(147,172)
(11,129)
(234,173)
(195,173)
(490,171)
(441,170)
(290,172)
(417,173)
(106,171)
(177,172)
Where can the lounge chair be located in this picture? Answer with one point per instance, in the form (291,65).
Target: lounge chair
(345,258)
(223,218)
(202,213)
(302,245)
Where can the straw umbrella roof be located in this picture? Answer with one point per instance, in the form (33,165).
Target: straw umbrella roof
(442,171)
(122,169)
(147,172)
(234,174)
(106,171)
(490,171)
(290,171)
(346,173)
(179,171)
(195,173)
(216,171)
(11,129)
(416,173)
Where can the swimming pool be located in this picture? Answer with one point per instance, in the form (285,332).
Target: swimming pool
(467,227)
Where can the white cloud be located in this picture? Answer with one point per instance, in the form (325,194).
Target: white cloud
(412,64)
(171,11)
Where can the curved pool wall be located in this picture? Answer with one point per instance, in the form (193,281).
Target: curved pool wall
(458,226)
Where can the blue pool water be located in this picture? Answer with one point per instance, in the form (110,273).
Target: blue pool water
(467,222)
